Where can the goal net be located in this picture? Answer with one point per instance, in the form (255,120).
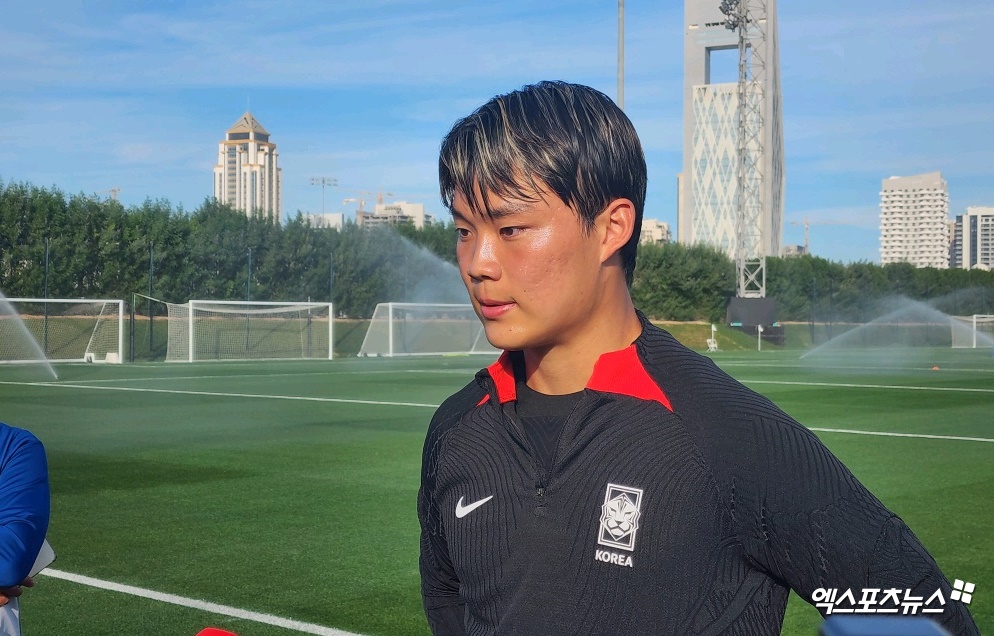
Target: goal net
(64,330)
(243,330)
(406,329)
(971,332)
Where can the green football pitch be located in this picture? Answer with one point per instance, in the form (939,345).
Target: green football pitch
(278,498)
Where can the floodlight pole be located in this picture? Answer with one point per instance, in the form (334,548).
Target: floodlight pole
(750,262)
(151,311)
(323,182)
(45,337)
(248,297)
(248,282)
(621,54)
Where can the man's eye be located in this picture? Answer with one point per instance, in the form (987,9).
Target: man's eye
(510,231)
(462,232)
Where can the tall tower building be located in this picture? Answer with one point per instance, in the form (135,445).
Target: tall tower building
(914,221)
(707,199)
(247,175)
(973,239)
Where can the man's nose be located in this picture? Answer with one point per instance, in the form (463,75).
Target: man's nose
(484,264)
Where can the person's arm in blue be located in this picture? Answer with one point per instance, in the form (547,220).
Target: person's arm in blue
(24,503)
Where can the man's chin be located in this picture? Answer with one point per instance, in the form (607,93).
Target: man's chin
(501,337)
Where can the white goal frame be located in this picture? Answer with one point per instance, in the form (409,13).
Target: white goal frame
(478,346)
(972,322)
(261,308)
(113,357)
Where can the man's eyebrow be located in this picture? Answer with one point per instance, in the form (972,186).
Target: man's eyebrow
(504,209)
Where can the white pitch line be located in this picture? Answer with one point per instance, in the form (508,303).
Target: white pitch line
(243,376)
(225,395)
(214,608)
(886,434)
(823,367)
(433,406)
(871,386)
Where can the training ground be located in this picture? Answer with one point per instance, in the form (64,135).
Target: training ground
(278,498)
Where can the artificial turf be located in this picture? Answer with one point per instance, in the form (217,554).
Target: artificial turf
(288,488)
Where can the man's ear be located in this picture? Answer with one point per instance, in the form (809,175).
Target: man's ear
(615,225)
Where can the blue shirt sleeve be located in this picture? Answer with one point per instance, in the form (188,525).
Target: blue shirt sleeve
(24,503)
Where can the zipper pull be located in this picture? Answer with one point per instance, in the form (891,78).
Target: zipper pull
(540,509)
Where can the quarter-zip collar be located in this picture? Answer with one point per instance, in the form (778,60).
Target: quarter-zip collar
(620,372)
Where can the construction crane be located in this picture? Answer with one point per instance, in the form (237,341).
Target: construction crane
(361,197)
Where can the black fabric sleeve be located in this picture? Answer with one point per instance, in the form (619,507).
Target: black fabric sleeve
(803,517)
(800,515)
(444,608)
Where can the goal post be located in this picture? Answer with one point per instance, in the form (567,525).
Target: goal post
(249,330)
(65,329)
(972,332)
(409,329)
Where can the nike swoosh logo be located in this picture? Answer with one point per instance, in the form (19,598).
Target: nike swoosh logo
(462,511)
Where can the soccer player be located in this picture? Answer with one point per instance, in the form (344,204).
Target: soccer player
(599,477)
(24,511)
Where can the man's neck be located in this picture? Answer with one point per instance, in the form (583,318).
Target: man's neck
(565,367)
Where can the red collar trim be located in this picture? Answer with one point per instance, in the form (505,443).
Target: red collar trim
(618,372)
(622,372)
(502,372)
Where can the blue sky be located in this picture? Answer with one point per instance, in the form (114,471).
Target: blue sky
(136,94)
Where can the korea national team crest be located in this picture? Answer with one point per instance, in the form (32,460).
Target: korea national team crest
(620,517)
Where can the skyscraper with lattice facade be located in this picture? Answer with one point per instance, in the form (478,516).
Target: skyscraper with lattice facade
(708,210)
(247,175)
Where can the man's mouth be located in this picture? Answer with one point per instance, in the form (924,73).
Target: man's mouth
(492,309)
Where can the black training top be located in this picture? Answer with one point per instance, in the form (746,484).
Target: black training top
(678,502)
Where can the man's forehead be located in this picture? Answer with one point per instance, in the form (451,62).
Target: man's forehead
(493,204)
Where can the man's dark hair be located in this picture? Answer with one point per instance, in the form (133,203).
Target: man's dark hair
(567,138)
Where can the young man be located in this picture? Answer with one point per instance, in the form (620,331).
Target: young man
(600,477)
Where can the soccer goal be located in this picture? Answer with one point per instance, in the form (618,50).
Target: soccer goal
(243,330)
(971,332)
(409,329)
(65,330)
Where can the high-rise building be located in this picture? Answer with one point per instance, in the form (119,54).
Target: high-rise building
(973,239)
(247,175)
(707,201)
(334,220)
(914,221)
(655,231)
(394,214)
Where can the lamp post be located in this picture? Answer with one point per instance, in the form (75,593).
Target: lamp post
(45,338)
(248,282)
(323,182)
(248,297)
(621,54)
